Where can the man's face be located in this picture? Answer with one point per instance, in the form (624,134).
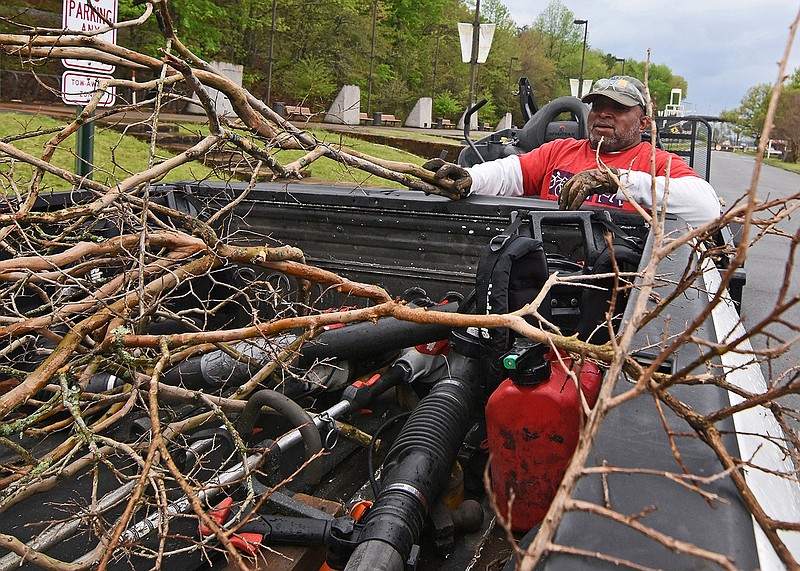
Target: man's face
(618,125)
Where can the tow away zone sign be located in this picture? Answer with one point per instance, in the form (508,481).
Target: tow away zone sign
(86,16)
(78,88)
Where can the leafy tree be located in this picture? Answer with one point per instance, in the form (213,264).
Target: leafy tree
(753,109)
(787,122)
(496,12)
(733,123)
(537,66)
(560,33)
(320,46)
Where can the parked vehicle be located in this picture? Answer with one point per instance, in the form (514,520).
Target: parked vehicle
(428,504)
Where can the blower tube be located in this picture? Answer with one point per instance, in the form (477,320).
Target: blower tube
(362,341)
(417,469)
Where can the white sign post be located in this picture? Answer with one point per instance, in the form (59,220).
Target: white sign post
(87,16)
(79,83)
(78,88)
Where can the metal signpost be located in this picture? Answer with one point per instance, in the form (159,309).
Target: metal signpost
(82,77)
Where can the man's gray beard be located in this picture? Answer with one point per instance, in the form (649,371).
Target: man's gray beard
(615,143)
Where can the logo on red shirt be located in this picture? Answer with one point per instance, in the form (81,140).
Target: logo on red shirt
(560,178)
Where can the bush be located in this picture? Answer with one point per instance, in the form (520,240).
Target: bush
(310,78)
(446,106)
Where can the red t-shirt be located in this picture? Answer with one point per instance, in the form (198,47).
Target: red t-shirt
(547,168)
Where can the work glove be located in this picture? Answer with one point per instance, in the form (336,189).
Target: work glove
(582,185)
(450,176)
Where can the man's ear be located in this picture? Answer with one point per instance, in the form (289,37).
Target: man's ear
(644,122)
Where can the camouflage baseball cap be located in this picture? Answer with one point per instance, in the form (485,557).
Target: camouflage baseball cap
(621,88)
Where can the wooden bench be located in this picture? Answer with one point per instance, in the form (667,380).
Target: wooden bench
(390,120)
(296,112)
(448,124)
(364,119)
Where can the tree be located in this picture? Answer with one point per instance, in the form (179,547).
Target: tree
(556,24)
(496,12)
(787,122)
(753,109)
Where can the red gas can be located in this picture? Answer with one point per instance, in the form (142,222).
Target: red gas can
(532,422)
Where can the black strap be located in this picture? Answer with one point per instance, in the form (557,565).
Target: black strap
(604,218)
(518,217)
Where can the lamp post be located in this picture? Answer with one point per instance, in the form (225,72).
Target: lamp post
(508,93)
(271,46)
(473,60)
(372,58)
(623,63)
(439,30)
(585,24)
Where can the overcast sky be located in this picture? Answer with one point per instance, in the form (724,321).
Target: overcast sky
(721,47)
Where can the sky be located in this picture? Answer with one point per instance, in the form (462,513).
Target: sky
(721,47)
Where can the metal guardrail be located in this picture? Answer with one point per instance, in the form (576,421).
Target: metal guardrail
(690,139)
(25,86)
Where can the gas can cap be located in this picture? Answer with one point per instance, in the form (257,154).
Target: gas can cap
(526,363)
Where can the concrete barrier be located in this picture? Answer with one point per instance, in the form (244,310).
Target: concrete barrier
(346,107)
(421,115)
(223,105)
(505,122)
(473,122)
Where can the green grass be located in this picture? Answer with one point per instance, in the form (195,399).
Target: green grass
(330,171)
(793,167)
(116,157)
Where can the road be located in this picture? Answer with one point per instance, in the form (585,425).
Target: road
(767,259)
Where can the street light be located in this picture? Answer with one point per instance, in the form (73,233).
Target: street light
(439,30)
(267,93)
(508,93)
(585,24)
(473,60)
(623,63)
(372,57)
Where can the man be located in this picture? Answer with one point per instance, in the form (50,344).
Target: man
(567,169)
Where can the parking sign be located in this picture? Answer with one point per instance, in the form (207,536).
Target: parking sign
(86,16)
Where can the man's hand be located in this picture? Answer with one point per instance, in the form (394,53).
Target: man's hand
(450,176)
(582,185)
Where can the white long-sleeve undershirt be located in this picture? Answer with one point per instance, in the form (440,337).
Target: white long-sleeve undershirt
(690,197)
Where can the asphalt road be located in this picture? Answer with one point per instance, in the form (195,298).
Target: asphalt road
(767,259)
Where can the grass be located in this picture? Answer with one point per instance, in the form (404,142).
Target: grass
(792,167)
(116,157)
(330,171)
